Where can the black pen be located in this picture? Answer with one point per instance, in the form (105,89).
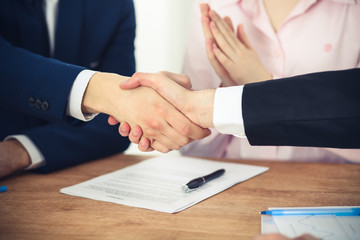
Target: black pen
(197,182)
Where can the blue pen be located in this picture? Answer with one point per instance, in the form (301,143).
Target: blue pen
(315,211)
(3,188)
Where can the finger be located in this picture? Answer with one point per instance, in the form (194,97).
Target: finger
(181,79)
(144,145)
(242,36)
(156,145)
(135,134)
(222,43)
(173,129)
(167,88)
(130,83)
(186,129)
(149,80)
(205,19)
(205,22)
(124,129)
(112,120)
(204,8)
(228,21)
(168,138)
(159,130)
(219,69)
(224,31)
(226,63)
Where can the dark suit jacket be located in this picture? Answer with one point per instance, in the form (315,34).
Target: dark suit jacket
(92,34)
(321,109)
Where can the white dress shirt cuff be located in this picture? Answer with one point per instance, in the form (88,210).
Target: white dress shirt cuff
(36,157)
(76,95)
(227,116)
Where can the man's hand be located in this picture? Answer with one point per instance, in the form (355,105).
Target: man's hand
(196,105)
(13,158)
(162,124)
(231,55)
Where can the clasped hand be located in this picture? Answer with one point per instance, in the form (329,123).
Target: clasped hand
(197,106)
(231,55)
(162,122)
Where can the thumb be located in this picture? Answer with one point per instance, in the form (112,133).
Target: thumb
(112,120)
(242,36)
(130,83)
(163,85)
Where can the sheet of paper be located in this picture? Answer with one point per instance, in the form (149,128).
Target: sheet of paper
(325,227)
(157,183)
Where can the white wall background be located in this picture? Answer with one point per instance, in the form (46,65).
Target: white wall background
(161,33)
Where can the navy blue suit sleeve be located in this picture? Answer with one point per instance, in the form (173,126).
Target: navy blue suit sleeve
(27,77)
(64,145)
(319,110)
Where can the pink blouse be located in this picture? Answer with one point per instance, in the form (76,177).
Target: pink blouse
(318,35)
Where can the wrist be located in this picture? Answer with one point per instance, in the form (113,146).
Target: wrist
(201,107)
(92,102)
(101,88)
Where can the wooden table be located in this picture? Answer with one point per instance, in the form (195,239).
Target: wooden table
(33,207)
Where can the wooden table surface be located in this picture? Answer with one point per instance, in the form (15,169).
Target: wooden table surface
(33,207)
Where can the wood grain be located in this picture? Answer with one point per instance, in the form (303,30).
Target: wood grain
(33,207)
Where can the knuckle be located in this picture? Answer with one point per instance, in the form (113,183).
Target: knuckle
(187,81)
(163,150)
(204,133)
(226,48)
(154,123)
(136,75)
(134,139)
(184,141)
(150,133)
(176,147)
(185,130)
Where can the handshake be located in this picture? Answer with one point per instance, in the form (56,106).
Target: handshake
(157,111)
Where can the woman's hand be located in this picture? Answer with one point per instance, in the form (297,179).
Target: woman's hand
(232,56)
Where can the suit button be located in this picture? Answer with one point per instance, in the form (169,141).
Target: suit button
(94,64)
(32,102)
(45,106)
(38,103)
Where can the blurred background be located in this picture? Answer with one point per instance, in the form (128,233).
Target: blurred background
(161,34)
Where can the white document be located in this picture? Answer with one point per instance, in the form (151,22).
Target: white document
(326,227)
(156,183)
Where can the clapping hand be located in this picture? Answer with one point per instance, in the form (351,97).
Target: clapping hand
(230,54)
